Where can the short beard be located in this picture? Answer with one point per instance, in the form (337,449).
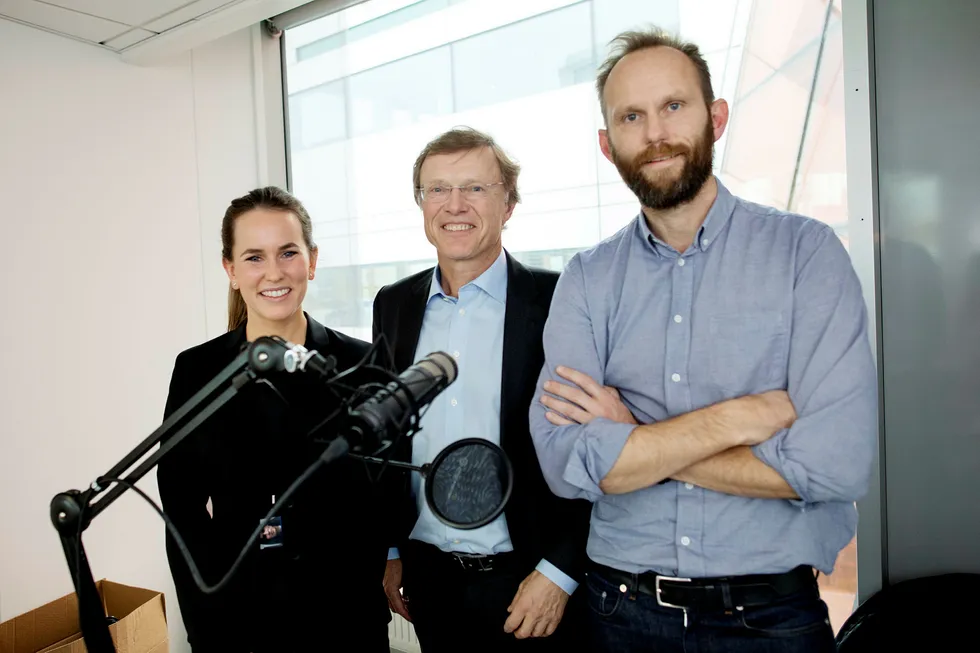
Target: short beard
(667,194)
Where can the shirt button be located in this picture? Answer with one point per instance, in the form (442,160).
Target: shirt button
(675,377)
(456,354)
(685,540)
(453,402)
(681,262)
(689,486)
(455,541)
(462,311)
(678,319)
(705,242)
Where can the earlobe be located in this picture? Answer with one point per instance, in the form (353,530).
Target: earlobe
(719,117)
(604,144)
(230,271)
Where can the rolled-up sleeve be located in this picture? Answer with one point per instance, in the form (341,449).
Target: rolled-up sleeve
(575,458)
(827,454)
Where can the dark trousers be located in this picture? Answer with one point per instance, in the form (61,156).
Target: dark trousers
(332,610)
(457,610)
(351,636)
(633,621)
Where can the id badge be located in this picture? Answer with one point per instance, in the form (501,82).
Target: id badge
(271,536)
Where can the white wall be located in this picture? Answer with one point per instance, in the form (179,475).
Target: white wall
(113,180)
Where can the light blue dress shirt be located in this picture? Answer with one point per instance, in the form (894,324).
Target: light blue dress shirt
(762,300)
(471,329)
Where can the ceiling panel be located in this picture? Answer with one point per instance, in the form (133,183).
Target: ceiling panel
(155,29)
(129,12)
(190,12)
(59,19)
(132,37)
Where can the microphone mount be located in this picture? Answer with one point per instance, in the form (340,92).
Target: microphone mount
(299,358)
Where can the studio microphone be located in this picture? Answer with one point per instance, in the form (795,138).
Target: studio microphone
(380,417)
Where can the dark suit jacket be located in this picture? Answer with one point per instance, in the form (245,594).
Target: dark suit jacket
(540,524)
(328,575)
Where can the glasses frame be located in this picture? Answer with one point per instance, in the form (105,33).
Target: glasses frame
(425,197)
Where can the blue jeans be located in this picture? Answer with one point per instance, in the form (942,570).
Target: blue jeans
(633,622)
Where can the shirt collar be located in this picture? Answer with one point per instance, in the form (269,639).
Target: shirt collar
(493,281)
(716,219)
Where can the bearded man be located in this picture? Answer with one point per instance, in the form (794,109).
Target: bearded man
(708,385)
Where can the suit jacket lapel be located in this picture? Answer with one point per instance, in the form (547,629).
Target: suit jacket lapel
(237,341)
(522,316)
(409,323)
(317,336)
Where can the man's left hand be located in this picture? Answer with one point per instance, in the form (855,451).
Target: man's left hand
(584,401)
(537,607)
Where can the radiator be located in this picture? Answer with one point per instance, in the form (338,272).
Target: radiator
(401,635)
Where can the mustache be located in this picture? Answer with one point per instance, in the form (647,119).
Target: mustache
(658,151)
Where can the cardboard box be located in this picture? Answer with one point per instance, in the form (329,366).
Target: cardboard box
(54,628)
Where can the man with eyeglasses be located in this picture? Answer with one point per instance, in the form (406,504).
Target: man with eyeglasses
(504,586)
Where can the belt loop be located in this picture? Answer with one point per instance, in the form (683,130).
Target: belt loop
(726,596)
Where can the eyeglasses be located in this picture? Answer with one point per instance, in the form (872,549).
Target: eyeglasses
(439,193)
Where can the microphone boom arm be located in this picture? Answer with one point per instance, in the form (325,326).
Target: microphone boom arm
(72,511)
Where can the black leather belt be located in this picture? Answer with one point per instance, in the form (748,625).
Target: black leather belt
(713,594)
(476,562)
(465,561)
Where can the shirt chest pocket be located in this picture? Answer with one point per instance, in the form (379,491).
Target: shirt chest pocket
(747,352)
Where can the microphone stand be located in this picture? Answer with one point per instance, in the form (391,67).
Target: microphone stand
(73,511)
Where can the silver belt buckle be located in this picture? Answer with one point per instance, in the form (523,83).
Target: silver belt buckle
(660,600)
(484,562)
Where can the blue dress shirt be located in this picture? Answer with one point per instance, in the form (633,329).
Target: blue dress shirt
(762,300)
(471,329)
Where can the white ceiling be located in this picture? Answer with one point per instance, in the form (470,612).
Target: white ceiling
(121,24)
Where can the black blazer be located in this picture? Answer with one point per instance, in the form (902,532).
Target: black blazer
(329,573)
(540,524)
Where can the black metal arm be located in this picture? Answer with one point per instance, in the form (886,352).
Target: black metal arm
(73,511)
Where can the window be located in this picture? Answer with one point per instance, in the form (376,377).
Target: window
(370,85)
(318,116)
(400,93)
(529,58)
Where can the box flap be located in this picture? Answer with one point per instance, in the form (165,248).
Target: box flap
(41,627)
(54,627)
(162,647)
(121,600)
(142,624)
(63,645)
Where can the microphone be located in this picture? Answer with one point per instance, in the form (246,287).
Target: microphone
(378,418)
